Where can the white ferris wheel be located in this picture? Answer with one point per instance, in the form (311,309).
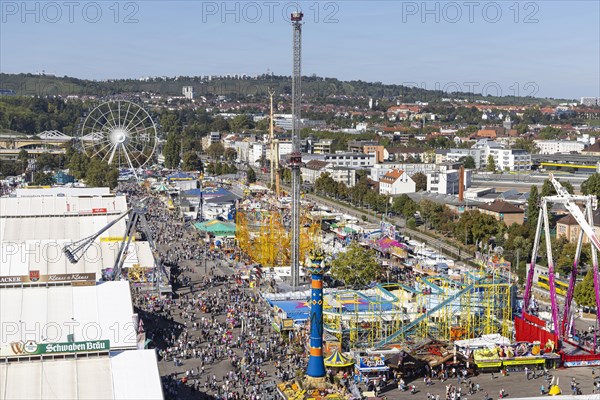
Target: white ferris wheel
(121,133)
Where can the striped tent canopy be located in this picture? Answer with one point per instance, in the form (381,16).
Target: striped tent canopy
(337,359)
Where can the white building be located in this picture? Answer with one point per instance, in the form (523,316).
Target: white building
(315,168)
(511,159)
(258,151)
(446,181)
(188,92)
(559,146)
(396,182)
(380,169)
(590,101)
(454,155)
(504,159)
(352,160)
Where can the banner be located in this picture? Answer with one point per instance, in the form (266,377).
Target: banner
(116,239)
(16,349)
(35,277)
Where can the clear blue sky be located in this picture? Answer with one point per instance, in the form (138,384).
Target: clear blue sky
(503,45)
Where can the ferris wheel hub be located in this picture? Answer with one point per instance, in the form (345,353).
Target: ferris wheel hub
(118,135)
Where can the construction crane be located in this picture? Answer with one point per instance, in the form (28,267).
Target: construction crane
(296,155)
(585,221)
(274,147)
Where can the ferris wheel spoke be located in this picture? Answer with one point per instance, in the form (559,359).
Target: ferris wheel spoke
(109,121)
(102,150)
(125,118)
(129,160)
(132,151)
(133,118)
(112,153)
(119,112)
(142,120)
(112,115)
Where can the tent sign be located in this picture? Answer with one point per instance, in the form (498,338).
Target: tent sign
(32,348)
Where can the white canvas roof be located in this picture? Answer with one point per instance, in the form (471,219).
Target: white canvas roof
(131,374)
(49,314)
(55,206)
(67,191)
(46,256)
(484,341)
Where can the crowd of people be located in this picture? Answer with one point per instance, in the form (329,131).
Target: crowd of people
(212,335)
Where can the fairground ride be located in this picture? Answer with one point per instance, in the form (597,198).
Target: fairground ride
(560,323)
(434,307)
(264,236)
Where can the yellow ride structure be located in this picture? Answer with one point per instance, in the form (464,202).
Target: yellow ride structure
(264,236)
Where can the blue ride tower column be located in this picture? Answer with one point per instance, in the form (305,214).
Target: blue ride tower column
(316,266)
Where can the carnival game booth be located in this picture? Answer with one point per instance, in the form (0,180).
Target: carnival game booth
(369,367)
(494,352)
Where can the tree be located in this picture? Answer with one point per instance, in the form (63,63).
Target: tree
(250,175)
(420,181)
(191,161)
(591,185)
(42,179)
(468,162)
(405,205)
(585,294)
(491,164)
(230,154)
(356,266)
(527,145)
(533,206)
(216,150)
(100,174)
(23,159)
(548,188)
(78,165)
(172,151)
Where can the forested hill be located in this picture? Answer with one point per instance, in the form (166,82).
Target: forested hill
(314,88)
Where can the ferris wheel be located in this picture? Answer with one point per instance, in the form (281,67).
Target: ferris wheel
(121,133)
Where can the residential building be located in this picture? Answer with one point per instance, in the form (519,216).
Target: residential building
(446,181)
(593,150)
(188,92)
(323,146)
(504,211)
(380,152)
(344,175)
(567,226)
(559,146)
(213,137)
(454,155)
(315,168)
(590,101)
(511,159)
(258,153)
(440,155)
(380,169)
(396,182)
(353,160)
(312,170)
(410,154)
(357,146)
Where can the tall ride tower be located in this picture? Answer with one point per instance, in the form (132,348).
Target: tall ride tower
(296,156)
(316,265)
